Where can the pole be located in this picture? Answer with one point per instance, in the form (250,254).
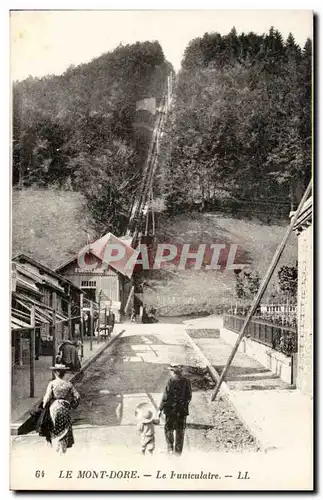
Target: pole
(54,330)
(105,321)
(82,323)
(129,298)
(152,214)
(99,317)
(69,313)
(262,288)
(91,325)
(32,353)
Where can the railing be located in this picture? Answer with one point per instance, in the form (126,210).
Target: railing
(278,337)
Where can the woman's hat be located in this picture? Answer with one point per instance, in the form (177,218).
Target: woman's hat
(59,366)
(176,368)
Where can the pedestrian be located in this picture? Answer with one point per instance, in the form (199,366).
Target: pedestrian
(60,397)
(68,355)
(146,429)
(133,315)
(175,402)
(85,322)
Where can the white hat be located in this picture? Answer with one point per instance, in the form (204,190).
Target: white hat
(147,417)
(59,366)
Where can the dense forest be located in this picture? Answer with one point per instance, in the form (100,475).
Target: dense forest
(77,131)
(239,138)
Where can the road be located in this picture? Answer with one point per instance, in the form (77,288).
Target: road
(132,371)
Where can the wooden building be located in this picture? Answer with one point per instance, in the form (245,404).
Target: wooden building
(52,296)
(89,271)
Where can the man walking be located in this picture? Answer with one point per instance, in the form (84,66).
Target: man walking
(174,404)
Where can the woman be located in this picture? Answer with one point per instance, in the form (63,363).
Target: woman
(61,396)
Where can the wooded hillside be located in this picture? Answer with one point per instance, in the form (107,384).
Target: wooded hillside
(75,131)
(240,135)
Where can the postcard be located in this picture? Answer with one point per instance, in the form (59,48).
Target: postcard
(162,250)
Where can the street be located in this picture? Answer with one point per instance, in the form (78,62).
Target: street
(135,370)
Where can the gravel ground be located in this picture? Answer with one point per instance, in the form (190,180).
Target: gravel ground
(225,432)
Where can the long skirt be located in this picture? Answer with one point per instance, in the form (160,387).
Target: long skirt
(62,433)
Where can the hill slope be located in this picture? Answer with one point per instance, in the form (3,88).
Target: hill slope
(190,291)
(49,225)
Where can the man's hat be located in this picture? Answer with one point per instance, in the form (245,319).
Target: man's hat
(59,367)
(176,368)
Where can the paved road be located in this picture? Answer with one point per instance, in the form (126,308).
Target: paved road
(132,371)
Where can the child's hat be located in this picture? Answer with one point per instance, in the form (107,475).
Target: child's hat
(147,417)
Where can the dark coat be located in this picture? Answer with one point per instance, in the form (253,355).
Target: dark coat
(69,356)
(177,396)
(41,422)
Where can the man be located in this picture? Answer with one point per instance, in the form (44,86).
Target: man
(174,404)
(69,355)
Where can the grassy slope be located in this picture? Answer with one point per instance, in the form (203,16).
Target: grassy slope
(48,224)
(193,291)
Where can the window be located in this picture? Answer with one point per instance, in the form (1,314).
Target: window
(88,284)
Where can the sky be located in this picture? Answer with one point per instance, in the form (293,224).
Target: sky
(48,42)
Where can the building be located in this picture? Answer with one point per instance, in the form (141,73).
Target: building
(88,270)
(51,296)
(304,230)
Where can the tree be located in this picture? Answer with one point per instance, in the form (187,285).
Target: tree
(242,123)
(288,280)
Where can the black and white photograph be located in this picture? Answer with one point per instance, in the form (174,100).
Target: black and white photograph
(161,285)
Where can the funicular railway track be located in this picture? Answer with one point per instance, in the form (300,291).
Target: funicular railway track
(142,198)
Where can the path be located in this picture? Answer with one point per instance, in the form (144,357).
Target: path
(133,370)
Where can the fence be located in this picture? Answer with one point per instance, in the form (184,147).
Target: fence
(278,337)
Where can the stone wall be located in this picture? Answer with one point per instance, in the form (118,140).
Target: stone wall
(304,229)
(305,312)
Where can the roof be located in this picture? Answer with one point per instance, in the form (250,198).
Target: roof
(24,257)
(97,249)
(305,217)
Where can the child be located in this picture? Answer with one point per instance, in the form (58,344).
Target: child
(146,430)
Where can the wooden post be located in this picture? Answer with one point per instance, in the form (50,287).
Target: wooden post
(69,309)
(20,350)
(262,288)
(54,306)
(99,317)
(32,353)
(82,323)
(105,321)
(152,214)
(129,298)
(91,325)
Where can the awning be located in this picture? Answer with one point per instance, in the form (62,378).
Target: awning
(43,313)
(17,323)
(21,283)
